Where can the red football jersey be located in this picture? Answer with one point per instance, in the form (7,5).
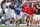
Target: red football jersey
(24,7)
(30,11)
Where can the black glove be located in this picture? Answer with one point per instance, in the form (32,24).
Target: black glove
(3,12)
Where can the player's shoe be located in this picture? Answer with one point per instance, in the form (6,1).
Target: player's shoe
(13,24)
(27,24)
(16,24)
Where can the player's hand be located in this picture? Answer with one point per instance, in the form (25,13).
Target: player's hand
(20,9)
(3,11)
(27,14)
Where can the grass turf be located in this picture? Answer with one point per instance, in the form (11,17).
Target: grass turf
(20,26)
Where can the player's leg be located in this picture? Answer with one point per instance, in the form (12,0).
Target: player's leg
(11,14)
(38,20)
(12,20)
(17,19)
(37,23)
(12,17)
(8,22)
(34,22)
(34,19)
(25,19)
(30,20)
(6,16)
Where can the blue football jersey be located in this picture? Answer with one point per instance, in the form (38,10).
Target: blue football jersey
(16,7)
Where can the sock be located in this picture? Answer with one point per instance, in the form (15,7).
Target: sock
(26,22)
(8,23)
(37,24)
(15,22)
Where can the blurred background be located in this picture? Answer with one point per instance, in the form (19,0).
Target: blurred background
(13,4)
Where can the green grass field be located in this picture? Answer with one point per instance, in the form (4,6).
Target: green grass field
(20,26)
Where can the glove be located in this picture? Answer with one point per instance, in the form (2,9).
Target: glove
(3,11)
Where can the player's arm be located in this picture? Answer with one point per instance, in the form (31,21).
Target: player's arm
(20,9)
(2,3)
(32,9)
(38,7)
(32,4)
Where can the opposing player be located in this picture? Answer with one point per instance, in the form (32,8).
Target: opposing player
(3,13)
(10,11)
(17,12)
(2,7)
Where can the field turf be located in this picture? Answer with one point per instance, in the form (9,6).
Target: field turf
(20,26)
